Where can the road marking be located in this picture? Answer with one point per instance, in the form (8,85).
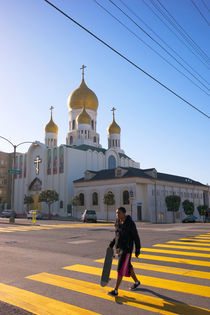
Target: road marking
(188,243)
(166,269)
(174,252)
(37,304)
(153,304)
(172,285)
(81,242)
(195,240)
(183,247)
(204,237)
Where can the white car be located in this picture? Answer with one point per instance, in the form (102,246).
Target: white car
(89,215)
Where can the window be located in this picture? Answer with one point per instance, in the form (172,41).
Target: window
(92,124)
(111,162)
(82,199)
(71,140)
(126,200)
(61,204)
(73,124)
(94,139)
(95,199)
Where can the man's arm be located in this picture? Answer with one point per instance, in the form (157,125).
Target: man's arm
(112,243)
(136,240)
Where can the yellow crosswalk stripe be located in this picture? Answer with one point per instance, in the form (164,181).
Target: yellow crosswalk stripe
(38,304)
(174,252)
(188,243)
(172,285)
(166,269)
(204,237)
(153,304)
(176,260)
(196,240)
(183,247)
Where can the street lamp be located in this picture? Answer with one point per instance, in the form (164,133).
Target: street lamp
(12,216)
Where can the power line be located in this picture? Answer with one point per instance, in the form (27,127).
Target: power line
(146,4)
(195,5)
(205,5)
(192,42)
(177,29)
(128,60)
(138,17)
(160,47)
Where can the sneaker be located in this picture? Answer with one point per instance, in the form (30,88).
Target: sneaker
(134,286)
(113,293)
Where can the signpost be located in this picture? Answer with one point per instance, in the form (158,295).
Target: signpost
(17,172)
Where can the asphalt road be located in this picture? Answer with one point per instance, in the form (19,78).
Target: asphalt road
(54,268)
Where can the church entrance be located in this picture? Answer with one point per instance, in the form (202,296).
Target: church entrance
(36,205)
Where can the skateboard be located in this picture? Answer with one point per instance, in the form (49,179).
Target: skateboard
(107,266)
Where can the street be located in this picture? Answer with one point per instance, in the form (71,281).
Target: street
(54,267)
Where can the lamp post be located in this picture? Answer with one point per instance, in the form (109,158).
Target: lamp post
(131,197)
(12,216)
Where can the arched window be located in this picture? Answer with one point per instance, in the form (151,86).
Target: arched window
(94,139)
(111,162)
(61,204)
(71,140)
(95,199)
(126,200)
(92,124)
(82,199)
(73,124)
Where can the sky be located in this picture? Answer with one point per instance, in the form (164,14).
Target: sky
(40,59)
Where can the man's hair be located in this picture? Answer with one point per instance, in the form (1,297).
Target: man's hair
(122,209)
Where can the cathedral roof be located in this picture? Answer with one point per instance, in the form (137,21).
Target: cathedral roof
(75,100)
(51,126)
(114,127)
(137,172)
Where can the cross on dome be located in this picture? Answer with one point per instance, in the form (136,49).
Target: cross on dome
(113,110)
(83,71)
(51,109)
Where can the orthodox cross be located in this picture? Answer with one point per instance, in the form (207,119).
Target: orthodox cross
(83,72)
(112,110)
(36,162)
(51,109)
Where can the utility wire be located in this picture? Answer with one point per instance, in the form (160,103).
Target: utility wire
(140,19)
(205,5)
(158,45)
(177,29)
(191,41)
(128,60)
(149,46)
(146,4)
(195,5)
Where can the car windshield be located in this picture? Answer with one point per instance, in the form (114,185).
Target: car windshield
(91,212)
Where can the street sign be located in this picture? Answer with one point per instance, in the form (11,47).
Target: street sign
(14,172)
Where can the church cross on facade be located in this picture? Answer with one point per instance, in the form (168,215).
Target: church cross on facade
(113,110)
(83,71)
(36,162)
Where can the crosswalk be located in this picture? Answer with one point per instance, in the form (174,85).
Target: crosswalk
(166,275)
(26,228)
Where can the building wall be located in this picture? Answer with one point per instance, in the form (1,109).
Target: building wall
(5,179)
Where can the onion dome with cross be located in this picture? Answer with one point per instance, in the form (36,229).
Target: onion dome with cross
(114,127)
(75,100)
(84,117)
(51,126)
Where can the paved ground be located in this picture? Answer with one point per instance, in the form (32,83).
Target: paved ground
(54,268)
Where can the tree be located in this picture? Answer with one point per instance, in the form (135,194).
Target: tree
(202,210)
(109,200)
(173,204)
(188,207)
(28,200)
(48,196)
(76,201)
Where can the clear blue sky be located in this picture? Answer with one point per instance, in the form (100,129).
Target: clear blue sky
(40,58)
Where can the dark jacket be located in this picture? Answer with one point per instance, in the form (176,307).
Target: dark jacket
(125,235)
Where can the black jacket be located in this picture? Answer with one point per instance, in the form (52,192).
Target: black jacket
(125,235)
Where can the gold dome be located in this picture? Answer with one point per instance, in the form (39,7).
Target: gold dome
(84,117)
(51,126)
(75,100)
(114,127)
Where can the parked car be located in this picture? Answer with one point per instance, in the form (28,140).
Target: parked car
(7,214)
(38,214)
(192,219)
(89,215)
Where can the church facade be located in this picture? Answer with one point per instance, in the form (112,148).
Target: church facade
(82,168)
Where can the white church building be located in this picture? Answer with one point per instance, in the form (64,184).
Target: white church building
(82,168)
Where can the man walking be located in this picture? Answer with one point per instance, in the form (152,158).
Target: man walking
(126,235)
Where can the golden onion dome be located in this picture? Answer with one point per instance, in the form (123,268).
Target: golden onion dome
(75,100)
(84,117)
(114,127)
(51,126)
